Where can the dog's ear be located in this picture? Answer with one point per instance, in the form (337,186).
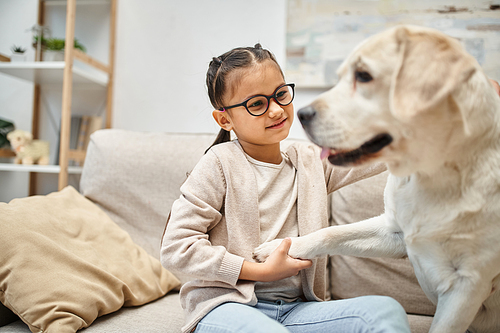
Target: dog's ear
(430,67)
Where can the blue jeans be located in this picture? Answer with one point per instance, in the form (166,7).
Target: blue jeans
(374,314)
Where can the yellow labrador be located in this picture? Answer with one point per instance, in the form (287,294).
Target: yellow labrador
(413,98)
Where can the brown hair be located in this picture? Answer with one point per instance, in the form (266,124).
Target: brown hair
(219,69)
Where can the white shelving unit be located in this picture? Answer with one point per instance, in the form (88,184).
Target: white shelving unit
(68,77)
(38,168)
(51,72)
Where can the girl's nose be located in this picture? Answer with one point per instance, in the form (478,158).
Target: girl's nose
(275,110)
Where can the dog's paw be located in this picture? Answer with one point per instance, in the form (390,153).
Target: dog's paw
(261,253)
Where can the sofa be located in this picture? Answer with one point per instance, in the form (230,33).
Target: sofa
(129,182)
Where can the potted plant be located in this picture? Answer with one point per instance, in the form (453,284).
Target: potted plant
(53,48)
(18,54)
(38,33)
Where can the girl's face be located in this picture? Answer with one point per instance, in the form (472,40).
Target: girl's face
(259,136)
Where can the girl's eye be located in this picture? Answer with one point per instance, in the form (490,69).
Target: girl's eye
(281,94)
(255,102)
(363,76)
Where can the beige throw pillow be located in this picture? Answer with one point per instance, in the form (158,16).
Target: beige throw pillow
(64,263)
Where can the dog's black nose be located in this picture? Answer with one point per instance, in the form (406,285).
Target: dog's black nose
(306,114)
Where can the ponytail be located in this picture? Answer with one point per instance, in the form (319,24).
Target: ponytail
(224,136)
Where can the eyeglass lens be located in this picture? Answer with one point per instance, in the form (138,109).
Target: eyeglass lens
(259,104)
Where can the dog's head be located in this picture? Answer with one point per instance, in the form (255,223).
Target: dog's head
(393,102)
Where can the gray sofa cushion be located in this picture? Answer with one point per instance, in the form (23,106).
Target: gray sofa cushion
(136,176)
(164,315)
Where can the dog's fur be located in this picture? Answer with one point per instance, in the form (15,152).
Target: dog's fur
(429,112)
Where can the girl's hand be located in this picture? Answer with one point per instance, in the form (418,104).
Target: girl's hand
(279,265)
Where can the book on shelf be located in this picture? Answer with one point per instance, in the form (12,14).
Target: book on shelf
(95,123)
(82,133)
(81,129)
(87,126)
(74,131)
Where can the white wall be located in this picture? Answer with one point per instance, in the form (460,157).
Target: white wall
(16,96)
(163,49)
(163,52)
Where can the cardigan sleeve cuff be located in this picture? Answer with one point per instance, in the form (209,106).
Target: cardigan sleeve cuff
(230,268)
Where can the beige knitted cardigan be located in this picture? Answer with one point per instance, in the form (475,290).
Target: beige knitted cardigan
(214,225)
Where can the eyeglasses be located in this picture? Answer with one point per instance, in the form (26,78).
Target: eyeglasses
(257,105)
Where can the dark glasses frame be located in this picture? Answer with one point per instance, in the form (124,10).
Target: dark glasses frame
(273,96)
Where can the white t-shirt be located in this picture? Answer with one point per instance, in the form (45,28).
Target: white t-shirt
(277,189)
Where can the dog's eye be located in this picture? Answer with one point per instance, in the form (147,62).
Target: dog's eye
(362,76)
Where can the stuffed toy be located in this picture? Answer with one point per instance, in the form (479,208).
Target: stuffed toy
(28,151)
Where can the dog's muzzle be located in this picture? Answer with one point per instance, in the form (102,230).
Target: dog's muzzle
(367,150)
(307,116)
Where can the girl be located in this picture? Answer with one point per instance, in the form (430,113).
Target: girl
(248,191)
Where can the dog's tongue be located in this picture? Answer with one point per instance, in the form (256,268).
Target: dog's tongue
(325,152)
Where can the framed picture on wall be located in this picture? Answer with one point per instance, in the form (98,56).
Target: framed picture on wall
(321,33)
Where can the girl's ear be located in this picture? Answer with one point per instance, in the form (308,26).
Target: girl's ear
(223,119)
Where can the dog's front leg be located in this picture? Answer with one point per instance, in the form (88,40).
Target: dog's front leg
(457,306)
(369,238)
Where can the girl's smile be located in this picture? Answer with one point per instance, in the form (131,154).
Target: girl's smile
(260,136)
(278,124)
